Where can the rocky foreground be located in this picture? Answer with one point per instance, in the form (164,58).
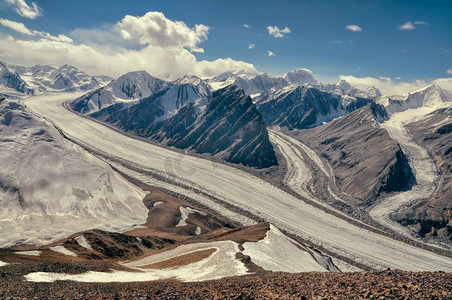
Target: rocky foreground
(361,285)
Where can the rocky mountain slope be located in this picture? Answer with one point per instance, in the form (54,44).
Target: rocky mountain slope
(434,216)
(11,79)
(227,125)
(366,161)
(299,107)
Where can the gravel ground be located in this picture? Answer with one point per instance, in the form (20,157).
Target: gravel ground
(363,285)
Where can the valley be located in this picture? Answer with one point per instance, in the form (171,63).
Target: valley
(247,192)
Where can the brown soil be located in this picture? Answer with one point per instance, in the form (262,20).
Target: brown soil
(182,260)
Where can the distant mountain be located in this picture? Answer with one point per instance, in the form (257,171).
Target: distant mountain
(261,85)
(63,79)
(366,161)
(128,88)
(300,76)
(301,107)
(343,88)
(11,79)
(226,125)
(431,96)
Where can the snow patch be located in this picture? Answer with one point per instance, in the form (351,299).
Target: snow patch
(157,203)
(198,230)
(63,250)
(81,240)
(2,263)
(277,253)
(31,253)
(222,263)
(185,211)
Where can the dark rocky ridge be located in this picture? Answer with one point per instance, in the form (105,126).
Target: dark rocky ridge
(229,128)
(12,79)
(366,161)
(301,107)
(434,216)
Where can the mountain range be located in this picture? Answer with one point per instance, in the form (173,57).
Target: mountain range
(361,145)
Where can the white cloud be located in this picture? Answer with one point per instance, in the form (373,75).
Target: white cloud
(354,28)
(246,26)
(271,53)
(276,32)
(155,29)
(251,46)
(386,85)
(16,26)
(449,71)
(336,42)
(407,26)
(410,25)
(21,28)
(24,10)
(163,53)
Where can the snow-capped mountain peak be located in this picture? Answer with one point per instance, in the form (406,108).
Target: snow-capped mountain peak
(300,76)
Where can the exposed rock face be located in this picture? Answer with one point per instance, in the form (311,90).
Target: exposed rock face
(366,161)
(299,107)
(229,127)
(12,79)
(434,216)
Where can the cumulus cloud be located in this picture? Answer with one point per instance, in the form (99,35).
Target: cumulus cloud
(276,32)
(25,10)
(354,28)
(251,46)
(160,51)
(449,71)
(385,84)
(246,26)
(271,53)
(411,25)
(155,29)
(16,26)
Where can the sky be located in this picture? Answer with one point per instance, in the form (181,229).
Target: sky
(398,46)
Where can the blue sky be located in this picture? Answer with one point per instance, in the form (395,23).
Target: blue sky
(400,41)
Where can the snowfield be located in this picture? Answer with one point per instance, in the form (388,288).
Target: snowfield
(52,188)
(243,190)
(278,253)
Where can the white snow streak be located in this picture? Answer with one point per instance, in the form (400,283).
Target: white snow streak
(81,240)
(31,253)
(63,250)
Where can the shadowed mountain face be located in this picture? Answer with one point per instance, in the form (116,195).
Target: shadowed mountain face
(299,107)
(433,216)
(228,127)
(12,79)
(366,161)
